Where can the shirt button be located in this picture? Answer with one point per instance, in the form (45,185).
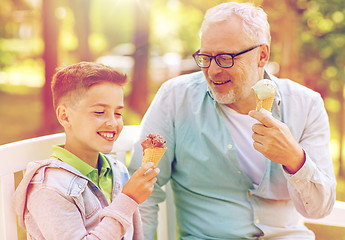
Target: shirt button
(297,181)
(230,146)
(257,221)
(250,193)
(239,172)
(80,186)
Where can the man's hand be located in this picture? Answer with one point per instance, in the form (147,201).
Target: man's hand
(140,185)
(274,140)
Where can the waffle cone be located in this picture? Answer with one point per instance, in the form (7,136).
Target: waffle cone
(153,155)
(266,103)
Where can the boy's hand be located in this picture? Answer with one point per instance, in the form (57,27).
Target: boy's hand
(275,141)
(140,185)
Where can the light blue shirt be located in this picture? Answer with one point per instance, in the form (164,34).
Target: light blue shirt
(213,196)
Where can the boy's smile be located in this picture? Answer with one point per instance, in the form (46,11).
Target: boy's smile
(109,136)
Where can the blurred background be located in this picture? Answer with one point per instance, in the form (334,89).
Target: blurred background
(152,41)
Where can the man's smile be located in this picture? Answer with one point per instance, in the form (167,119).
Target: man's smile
(220,83)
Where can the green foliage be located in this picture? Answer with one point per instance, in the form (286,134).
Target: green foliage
(176,24)
(17,49)
(175,28)
(323,38)
(112,23)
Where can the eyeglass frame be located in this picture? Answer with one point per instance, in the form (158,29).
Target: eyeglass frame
(233,55)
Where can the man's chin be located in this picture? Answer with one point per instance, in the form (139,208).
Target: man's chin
(223,98)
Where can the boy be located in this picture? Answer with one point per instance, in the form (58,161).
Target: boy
(80,193)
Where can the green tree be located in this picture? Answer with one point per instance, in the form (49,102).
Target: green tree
(322,43)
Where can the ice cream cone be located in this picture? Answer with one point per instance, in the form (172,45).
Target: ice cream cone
(266,103)
(264,93)
(153,155)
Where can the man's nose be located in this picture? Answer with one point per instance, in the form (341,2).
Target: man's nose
(214,68)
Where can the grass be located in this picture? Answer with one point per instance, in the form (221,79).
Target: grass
(20,114)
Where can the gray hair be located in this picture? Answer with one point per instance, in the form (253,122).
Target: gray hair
(255,24)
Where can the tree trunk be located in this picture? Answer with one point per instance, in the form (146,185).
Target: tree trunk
(341,130)
(81,10)
(138,99)
(284,20)
(50,37)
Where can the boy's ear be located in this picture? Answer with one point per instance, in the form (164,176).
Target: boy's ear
(62,116)
(264,54)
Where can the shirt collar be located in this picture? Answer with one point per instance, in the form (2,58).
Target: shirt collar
(103,163)
(64,155)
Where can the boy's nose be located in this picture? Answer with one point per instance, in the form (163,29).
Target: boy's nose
(110,121)
(109,124)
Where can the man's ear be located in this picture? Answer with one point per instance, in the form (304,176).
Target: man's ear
(62,116)
(264,55)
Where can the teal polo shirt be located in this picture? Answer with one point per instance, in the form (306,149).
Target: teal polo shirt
(102,176)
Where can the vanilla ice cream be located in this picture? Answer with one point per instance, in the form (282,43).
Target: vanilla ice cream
(264,91)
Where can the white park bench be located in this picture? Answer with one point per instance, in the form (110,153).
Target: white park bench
(15,156)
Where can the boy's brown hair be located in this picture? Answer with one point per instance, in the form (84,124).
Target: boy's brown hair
(71,82)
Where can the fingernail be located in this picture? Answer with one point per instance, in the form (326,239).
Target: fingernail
(262,110)
(148,170)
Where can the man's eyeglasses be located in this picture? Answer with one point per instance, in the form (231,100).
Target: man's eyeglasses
(224,60)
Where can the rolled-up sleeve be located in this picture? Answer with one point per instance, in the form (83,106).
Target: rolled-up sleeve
(313,187)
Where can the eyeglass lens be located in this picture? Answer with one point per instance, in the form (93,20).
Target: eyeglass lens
(223,60)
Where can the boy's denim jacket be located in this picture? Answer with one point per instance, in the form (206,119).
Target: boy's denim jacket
(55,201)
